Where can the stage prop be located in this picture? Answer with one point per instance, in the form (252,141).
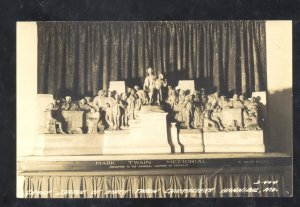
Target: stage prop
(74,121)
(187,85)
(142,138)
(118,86)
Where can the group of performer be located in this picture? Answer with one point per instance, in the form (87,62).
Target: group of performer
(112,111)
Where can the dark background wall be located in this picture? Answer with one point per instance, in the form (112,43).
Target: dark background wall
(79,58)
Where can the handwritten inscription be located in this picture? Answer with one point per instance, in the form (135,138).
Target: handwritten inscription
(266,182)
(169,191)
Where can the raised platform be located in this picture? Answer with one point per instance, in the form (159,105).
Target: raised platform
(139,139)
(147,135)
(68,144)
(234,141)
(191,140)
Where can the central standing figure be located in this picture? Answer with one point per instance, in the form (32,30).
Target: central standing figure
(149,84)
(160,85)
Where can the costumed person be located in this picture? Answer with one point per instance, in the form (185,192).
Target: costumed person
(149,85)
(68,105)
(142,95)
(99,101)
(124,112)
(197,119)
(138,101)
(160,85)
(93,118)
(53,126)
(89,101)
(117,113)
(208,119)
(213,99)
(251,115)
(203,98)
(172,97)
(236,103)
(187,111)
(223,103)
(109,110)
(83,106)
(179,107)
(131,104)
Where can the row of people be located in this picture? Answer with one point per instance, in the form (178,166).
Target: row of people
(198,110)
(112,110)
(108,109)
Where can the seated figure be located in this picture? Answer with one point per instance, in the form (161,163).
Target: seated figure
(83,105)
(179,107)
(68,105)
(172,98)
(53,126)
(93,118)
(209,120)
(251,115)
(89,100)
(197,120)
(187,110)
(213,100)
(236,103)
(223,103)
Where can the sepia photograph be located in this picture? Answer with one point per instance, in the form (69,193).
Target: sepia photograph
(154,109)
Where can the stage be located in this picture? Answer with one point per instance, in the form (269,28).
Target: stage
(162,110)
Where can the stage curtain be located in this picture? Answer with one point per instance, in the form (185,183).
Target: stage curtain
(79,58)
(103,186)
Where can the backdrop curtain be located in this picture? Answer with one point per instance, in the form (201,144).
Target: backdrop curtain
(224,185)
(79,58)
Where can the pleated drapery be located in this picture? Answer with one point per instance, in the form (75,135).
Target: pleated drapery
(179,186)
(79,58)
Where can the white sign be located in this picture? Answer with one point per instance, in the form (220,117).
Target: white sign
(118,86)
(187,85)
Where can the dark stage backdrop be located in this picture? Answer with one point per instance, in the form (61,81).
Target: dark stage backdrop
(79,58)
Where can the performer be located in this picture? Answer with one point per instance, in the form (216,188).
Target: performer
(160,84)
(93,118)
(53,126)
(131,99)
(149,84)
(99,101)
(124,110)
(68,105)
